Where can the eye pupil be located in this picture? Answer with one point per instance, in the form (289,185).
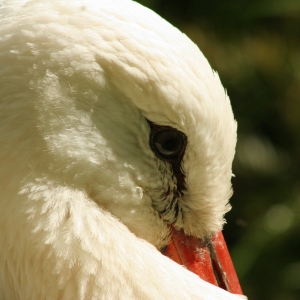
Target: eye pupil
(170,144)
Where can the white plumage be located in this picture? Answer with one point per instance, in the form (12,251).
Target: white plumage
(82,195)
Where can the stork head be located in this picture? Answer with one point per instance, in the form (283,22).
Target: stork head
(126,108)
(130,110)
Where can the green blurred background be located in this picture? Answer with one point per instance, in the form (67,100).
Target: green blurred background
(255,47)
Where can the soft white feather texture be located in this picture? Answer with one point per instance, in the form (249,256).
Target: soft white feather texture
(80,187)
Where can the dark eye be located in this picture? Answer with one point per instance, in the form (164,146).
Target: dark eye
(168,143)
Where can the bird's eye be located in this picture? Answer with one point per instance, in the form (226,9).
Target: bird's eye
(169,145)
(167,142)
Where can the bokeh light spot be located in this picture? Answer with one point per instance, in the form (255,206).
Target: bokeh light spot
(278,218)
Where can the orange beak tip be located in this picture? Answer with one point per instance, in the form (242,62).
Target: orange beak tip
(210,260)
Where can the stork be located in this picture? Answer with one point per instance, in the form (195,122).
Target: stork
(114,133)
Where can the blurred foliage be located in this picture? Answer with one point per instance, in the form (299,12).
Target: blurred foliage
(254,46)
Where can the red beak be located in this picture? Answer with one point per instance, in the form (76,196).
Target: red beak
(210,260)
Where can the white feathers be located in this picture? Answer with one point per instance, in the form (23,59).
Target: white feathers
(79,79)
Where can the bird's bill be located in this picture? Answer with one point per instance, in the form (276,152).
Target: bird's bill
(210,260)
